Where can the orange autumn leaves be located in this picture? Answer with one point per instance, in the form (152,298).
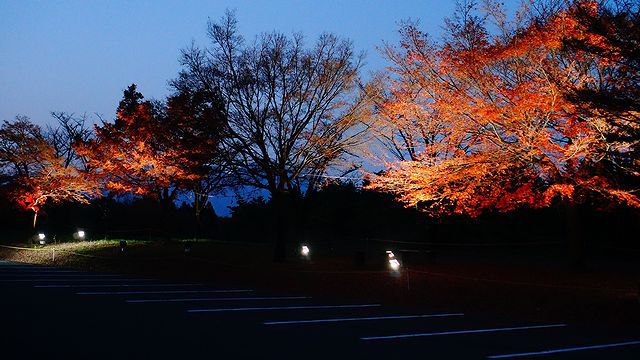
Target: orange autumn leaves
(52,180)
(55,183)
(149,150)
(488,124)
(136,154)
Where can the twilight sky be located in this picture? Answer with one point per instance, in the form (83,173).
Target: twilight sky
(78,56)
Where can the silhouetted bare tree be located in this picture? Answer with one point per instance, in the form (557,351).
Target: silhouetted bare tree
(292,111)
(69,131)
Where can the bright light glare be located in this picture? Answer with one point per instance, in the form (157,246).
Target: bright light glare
(81,234)
(305,250)
(390,254)
(41,236)
(394,264)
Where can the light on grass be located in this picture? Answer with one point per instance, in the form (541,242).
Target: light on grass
(41,236)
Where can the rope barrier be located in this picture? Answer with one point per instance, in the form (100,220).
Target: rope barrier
(407,271)
(199,259)
(21,248)
(530,243)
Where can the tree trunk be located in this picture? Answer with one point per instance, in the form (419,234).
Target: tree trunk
(575,240)
(166,205)
(198,211)
(281,219)
(35,218)
(198,230)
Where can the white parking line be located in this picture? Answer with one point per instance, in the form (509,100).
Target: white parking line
(360,319)
(555,351)
(73,280)
(284,308)
(28,268)
(401,336)
(112,285)
(37,272)
(14,265)
(159,292)
(219,299)
(43,275)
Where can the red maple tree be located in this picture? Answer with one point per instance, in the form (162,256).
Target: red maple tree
(482,122)
(139,153)
(54,183)
(37,173)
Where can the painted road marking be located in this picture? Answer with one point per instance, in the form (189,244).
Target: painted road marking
(476,331)
(360,319)
(112,285)
(38,271)
(16,264)
(159,292)
(44,275)
(73,280)
(284,308)
(555,351)
(219,299)
(19,267)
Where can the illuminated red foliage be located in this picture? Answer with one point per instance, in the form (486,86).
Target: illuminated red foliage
(488,123)
(137,153)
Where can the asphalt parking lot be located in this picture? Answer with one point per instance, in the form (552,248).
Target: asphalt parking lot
(62,313)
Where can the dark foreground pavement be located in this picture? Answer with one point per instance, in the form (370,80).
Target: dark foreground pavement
(56,313)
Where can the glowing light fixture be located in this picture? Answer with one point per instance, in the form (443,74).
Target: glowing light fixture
(394,264)
(41,238)
(304,251)
(81,234)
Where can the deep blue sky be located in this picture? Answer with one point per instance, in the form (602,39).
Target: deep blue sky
(78,56)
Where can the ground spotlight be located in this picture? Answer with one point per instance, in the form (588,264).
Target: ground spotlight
(305,252)
(394,264)
(80,235)
(41,238)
